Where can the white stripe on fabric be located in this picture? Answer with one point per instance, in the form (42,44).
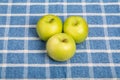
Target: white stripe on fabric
(63,65)
(77,51)
(26,40)
(63,14)
(34,26)
(36,38)
(3,72)
(46,57)
(60,3)
(106,37)
(91,74)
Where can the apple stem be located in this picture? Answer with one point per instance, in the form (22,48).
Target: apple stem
(51,20)
(64,40)
(76,23)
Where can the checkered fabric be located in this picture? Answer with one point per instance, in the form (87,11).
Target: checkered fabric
(23,55)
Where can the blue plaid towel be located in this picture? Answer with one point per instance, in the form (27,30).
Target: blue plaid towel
(23,55)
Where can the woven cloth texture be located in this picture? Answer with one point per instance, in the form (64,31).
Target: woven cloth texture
(23,55)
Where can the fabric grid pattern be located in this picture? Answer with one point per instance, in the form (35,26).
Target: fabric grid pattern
(23,55)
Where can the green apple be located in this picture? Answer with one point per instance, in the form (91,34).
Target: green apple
(61,47)
(48,26)
(76,27)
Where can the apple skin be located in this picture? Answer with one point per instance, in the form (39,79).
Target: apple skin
(48,26)
(61,47)
(76,27)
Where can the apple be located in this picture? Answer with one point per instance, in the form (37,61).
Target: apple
(48,26)
(76,27)
(61,47)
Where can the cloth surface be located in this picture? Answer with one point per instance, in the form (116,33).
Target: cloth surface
(23,55)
